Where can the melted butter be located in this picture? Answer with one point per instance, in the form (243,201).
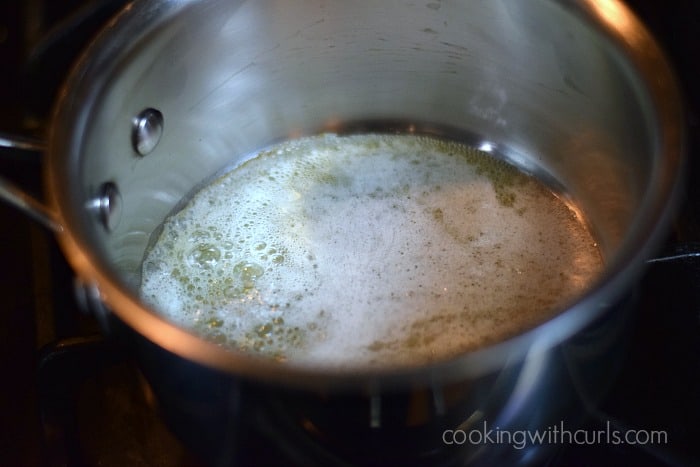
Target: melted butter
(368,250)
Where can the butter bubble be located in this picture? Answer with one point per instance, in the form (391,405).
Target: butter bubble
(204,255)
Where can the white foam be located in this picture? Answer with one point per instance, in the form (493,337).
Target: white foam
(368,250)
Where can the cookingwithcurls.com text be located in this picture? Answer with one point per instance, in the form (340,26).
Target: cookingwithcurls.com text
(554,434)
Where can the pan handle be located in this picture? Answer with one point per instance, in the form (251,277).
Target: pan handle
(16,196)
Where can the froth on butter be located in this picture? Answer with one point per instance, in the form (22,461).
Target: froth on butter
(368,250)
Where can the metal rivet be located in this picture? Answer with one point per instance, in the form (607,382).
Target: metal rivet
(107,205)
(89,300)
(146,130)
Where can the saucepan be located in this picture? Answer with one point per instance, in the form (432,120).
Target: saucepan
(172,92)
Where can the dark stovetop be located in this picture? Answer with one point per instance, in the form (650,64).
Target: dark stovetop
(68,397)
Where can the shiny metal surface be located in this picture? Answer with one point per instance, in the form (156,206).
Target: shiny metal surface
(106,206)
(23,143)
(577,93)
(15,195)
(146,131)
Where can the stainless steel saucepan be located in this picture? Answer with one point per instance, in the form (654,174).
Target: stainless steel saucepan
(173,91)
